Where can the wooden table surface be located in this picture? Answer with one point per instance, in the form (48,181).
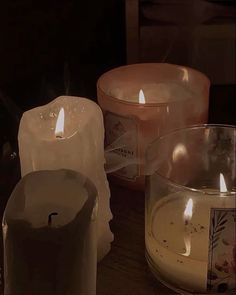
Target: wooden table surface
(124,271)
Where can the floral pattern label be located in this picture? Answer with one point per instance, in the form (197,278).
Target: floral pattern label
(122,132)
(222,252)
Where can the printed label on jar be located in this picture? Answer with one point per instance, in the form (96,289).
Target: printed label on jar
(222,251)
(121,135)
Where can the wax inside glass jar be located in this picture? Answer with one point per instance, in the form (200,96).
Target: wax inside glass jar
(162,92)
(64,198)
(169,237)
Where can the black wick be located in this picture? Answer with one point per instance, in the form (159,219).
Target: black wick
(50,217)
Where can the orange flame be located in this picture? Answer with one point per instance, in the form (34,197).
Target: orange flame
(223,187)
(59,130)
(141,97)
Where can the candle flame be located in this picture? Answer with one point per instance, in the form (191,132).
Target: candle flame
(187,242)
(188,212)
(223,187)
(179,152)
(59,130)
(141,97)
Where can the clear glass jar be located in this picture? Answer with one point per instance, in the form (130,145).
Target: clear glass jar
(190,209)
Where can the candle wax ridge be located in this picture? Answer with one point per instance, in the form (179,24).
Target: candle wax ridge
(81,149)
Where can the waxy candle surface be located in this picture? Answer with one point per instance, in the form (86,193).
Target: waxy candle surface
(79,147)
(49,230)
(178,248)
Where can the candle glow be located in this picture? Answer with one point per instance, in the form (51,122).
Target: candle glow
(188,212)
(187,242)
(59,130)
(141,97)
(223,187)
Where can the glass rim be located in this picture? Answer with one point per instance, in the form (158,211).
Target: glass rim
(231,193)
(147,104)
(184,187)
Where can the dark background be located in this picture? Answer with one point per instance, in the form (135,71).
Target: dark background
(44,44)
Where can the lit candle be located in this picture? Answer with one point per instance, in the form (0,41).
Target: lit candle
(146,101)
(141,97)
(188,212)
(69,133)
(59,130)
(178,237)
(49,230)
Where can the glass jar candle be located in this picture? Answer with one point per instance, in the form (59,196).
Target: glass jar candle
(172,96)
(190,209)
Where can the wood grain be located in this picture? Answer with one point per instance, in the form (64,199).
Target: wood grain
(124,270)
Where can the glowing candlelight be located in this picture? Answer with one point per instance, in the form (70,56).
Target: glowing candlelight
(59,130)
(187,242)
(141,97)
(188,212)
(179,152)
(223,187)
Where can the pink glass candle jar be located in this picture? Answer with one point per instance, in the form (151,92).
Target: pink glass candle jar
(174,96)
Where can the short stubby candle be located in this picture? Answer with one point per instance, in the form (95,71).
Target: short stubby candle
(190,210)
(140,102)
(49,230)
(69,133)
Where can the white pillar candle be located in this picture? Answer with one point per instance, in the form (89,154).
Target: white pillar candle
(49,229)
(78,144)
(178,244)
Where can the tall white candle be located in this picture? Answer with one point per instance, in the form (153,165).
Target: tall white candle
(49,229)
(78,146)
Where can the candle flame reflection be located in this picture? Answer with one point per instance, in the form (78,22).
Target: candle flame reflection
(59,130)
(188,212)
(223,187)
(187,242)
(179,152)
(141,97)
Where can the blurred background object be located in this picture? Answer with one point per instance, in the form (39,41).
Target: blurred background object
(196,33)
(58,47)
(42,42)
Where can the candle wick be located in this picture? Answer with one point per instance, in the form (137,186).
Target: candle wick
(50,217)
